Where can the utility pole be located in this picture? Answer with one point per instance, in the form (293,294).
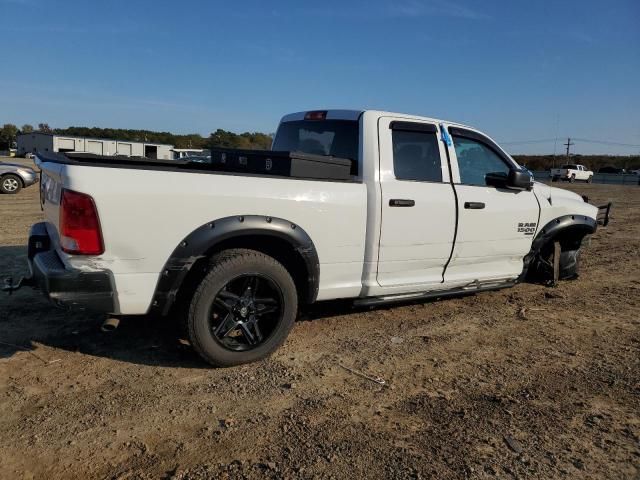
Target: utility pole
(568,145)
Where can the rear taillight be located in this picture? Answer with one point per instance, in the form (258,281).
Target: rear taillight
(79,225)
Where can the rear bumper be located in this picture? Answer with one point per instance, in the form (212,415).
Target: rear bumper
(85,290)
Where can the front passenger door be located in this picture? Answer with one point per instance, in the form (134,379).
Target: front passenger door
(495,225)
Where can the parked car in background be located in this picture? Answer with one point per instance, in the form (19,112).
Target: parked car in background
(571,173)
(197,159)
(612,170)
(29,155)
(14,177)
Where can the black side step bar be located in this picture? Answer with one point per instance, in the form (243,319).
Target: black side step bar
(454,292)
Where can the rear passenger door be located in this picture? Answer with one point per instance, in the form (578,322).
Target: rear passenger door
(418,204)
(495,225)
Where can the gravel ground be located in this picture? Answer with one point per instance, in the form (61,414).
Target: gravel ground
(530,382)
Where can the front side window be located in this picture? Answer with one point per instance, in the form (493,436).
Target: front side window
(475,160)
(416,156)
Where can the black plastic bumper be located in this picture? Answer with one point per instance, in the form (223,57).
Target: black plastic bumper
(64,286)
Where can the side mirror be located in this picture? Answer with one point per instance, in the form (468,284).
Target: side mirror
(497,179)
(520,179)
(515,179)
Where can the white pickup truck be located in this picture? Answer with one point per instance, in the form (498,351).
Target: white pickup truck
(425,208)
(571,173)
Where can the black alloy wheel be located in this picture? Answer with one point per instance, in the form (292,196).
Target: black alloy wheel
(243,309)
(246,311)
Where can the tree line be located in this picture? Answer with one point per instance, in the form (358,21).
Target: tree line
(262,141)
(219,138)
(593,162)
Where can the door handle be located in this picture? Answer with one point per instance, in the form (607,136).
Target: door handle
(400,202)
(474,205)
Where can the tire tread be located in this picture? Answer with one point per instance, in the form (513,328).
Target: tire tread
(218,264)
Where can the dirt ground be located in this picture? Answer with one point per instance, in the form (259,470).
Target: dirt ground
(530,382)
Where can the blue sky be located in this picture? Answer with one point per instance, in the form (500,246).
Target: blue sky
(518,70)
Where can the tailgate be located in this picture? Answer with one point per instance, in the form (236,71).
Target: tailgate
(51,184)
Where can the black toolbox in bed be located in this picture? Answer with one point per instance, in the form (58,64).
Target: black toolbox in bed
(286,164)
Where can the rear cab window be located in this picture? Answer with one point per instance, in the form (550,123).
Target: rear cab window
(336,138)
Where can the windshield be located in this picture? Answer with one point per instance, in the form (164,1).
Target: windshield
(337,138)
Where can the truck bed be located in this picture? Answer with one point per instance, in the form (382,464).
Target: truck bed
(297,165)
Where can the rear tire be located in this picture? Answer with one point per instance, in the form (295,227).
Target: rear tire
(590,179)
(10,184)
(243,309)
(572,179)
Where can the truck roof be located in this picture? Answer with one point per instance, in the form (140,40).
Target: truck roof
(338,114)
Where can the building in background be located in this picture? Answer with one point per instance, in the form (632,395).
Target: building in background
(50,142)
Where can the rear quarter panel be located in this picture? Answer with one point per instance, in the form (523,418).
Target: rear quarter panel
(145,214)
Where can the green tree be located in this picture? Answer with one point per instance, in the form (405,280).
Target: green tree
(246,141)
(8,136)
(224,139)
(26,128)
(44,127)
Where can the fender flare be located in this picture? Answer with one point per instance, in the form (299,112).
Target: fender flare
(582,224)
(201,241)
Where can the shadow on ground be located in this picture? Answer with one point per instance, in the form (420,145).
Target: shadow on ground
(28,322)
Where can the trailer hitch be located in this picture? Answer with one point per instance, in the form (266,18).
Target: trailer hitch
(11,287)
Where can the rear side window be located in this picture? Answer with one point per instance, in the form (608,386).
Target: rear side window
(416,156)
(337,138)
(475,160)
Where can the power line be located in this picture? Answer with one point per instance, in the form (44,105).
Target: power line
(522,142)
(585,140)
(606,142)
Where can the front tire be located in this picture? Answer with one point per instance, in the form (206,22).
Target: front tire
(590,179)
(243,309)
(569,265)
(572,179)
(10,184)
